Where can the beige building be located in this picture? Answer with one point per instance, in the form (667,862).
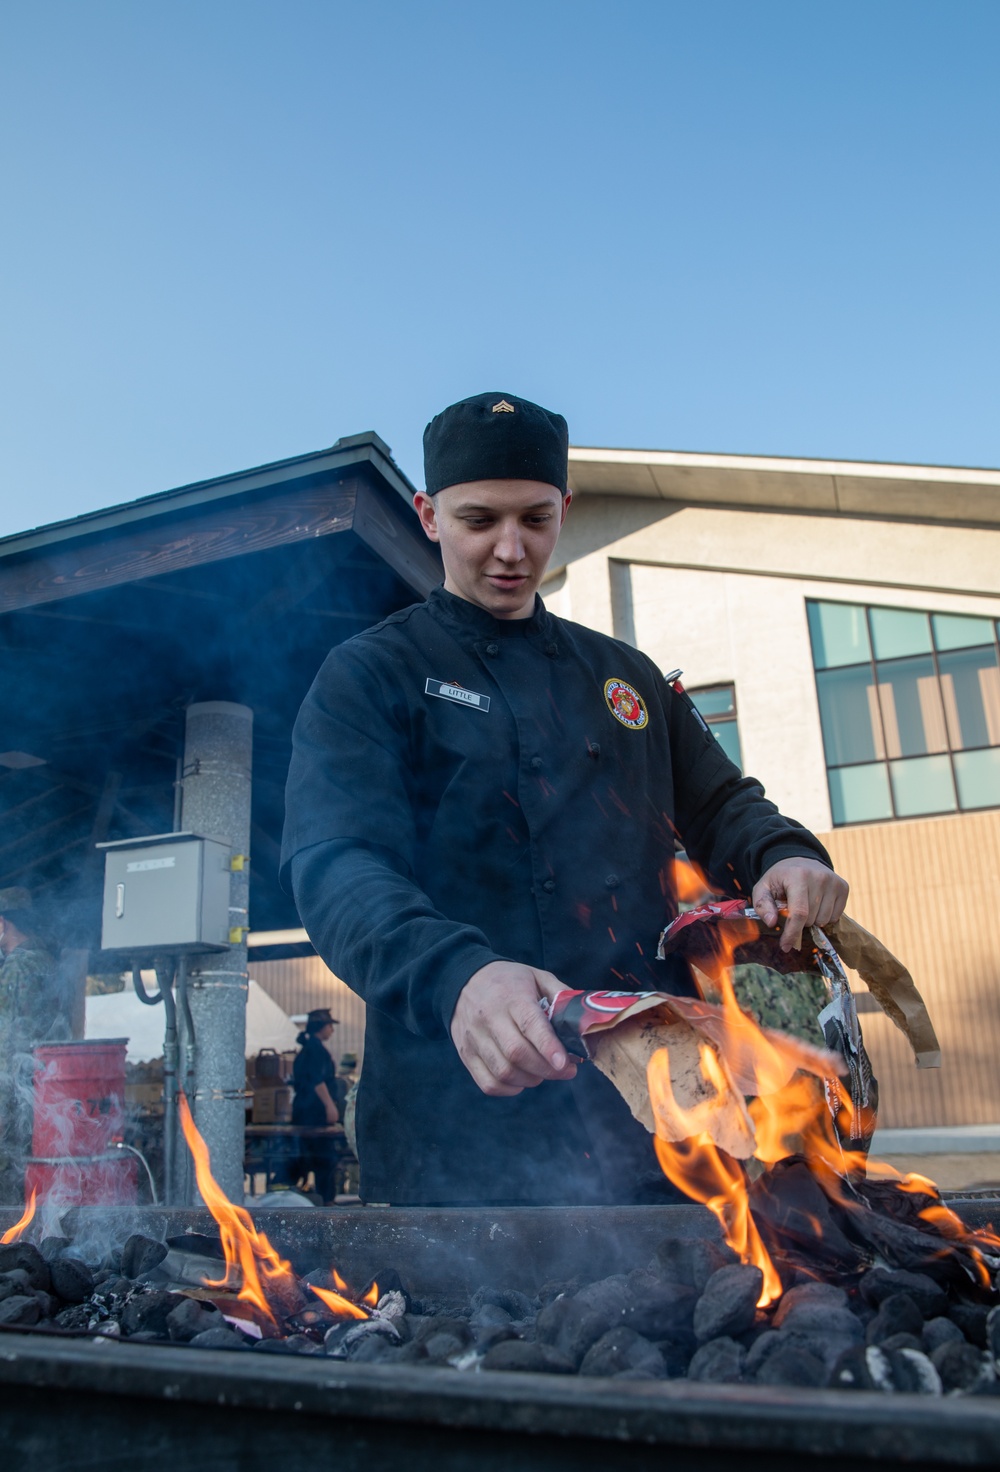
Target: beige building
(836,623)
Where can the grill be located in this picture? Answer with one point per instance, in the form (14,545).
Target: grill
(96,1403)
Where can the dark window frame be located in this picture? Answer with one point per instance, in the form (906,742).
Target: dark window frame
(729,718)
(871,664)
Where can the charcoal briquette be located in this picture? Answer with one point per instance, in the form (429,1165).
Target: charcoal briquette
(141,1255)
(48,1304)
(26,1257)
(902,1341)
(764,1345)
(622,1349)
(813,1316)
(691,1260)
(442,1346)
(971,1319)
(520,1354)
(728,1305)
(222,1337)
(422,1328)
(666,1307)
(880,1369)
(294,1344)
(570,1327)
(486,1335)
(790,1366)
(878,1284)
(850,1371)
(897,1315)
(677,1352)
(373,1348)
(940,1331)
(913,1372)
(490,1316)
(558,1288)
(148,1312)
(77,1316)
(826,1347)
(993,1334)
(518,1306)
(808,1293)
(960,1366)
(72,1280)
(115,1286)
(608,1297)
(191,1317)
(20,1311)
(720,1362)
(16,1281)
(53,1247)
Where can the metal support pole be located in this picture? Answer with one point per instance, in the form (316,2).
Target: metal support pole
(216,803)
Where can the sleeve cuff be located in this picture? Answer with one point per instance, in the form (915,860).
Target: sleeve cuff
(453,977)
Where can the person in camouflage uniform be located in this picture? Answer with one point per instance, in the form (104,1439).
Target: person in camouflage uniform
(28,1009)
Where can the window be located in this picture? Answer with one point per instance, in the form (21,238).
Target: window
(717,705)
(910,708)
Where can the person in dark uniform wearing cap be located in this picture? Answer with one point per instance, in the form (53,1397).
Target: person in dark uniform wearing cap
(482,807)
(314,1079)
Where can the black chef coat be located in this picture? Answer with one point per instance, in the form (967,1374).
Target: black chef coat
(313,1065)
(462,791)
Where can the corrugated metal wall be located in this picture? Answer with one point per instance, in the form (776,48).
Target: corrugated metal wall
(304,982)
(930,890)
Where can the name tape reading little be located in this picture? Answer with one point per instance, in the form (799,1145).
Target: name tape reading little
(444,691)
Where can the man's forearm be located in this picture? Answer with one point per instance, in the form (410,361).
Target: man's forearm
(379,932)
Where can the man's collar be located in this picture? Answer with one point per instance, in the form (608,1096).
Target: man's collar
(471,619)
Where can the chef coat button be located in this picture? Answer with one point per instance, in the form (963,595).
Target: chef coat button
(552,650)
(594,749)
(548,885)
(493,650)
(612,881)
(535,764)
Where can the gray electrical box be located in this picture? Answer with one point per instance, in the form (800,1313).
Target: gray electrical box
(169,892)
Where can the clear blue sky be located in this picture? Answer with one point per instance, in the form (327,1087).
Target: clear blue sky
(237,229)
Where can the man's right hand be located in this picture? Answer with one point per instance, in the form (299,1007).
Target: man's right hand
(501,1033)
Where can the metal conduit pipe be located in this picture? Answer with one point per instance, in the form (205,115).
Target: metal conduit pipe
(165,994)
(215,802)
(182,1183)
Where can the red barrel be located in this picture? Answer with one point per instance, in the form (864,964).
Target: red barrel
(79,1115)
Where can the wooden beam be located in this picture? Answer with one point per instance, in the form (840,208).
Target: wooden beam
(400,543)
(163,545)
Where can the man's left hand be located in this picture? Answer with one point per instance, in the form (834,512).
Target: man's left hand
(806,891)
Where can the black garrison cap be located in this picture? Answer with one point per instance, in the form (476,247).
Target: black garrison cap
(495,437)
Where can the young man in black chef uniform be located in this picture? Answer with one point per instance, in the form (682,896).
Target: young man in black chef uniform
(482,808)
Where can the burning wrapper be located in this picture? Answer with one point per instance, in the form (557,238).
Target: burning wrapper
(762,1018)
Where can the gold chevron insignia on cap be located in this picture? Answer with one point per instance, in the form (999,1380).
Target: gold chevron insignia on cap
(503,407)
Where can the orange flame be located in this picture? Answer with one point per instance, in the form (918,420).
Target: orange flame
(789,1096)
(12,1233)
(700,1170)
(250,1258)
(339,1305)
(691,884)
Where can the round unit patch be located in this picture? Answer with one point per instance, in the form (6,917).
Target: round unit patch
(626,704)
